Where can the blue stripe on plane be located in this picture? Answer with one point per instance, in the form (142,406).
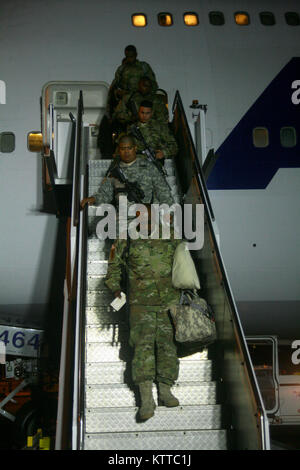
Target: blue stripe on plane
(240,165)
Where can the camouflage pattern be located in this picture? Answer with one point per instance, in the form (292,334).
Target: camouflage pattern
(150,271)
(150,329)
(158,136)
(127,76)
(194,322)
(123,112)
(148,177)
(149,264)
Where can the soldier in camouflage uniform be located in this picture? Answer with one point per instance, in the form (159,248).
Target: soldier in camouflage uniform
(149,265)
(156,134)
(129,73)
(127,110)
(137,170)
(126,81)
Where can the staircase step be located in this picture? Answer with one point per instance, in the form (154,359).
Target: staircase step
(98,165)
(100,420)
(100,373)
(171,440)
(103,315)
(95,282)
(95,180)
(100,351)
(107,333)
(93,189)
(98,255)
(97,267)
(119,395)
(94,298)
(99,250)
(105,373)
(105,352)
(94,245)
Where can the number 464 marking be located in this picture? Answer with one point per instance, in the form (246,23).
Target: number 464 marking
(20,340)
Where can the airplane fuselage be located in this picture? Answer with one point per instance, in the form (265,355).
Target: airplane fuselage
(228,67)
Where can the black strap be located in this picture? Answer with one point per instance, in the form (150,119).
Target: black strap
(127,283)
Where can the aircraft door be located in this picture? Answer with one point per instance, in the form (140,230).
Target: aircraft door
(59,105)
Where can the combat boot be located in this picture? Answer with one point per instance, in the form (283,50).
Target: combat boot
(148,406)
(165,396)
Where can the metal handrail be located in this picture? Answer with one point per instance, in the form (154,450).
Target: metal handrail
(81,302)
(261,414)
(76,180)
(201,180)
(66,389)
(79,281)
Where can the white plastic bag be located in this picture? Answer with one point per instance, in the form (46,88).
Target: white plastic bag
(184,274)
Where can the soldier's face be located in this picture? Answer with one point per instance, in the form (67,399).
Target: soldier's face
(130,57)
(145,114)
(127,152)
(145,87)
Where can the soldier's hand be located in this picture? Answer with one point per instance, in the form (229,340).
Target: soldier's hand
(117,294)
(159,154)
(87,200)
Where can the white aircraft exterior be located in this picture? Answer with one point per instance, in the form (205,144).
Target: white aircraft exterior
(227,67)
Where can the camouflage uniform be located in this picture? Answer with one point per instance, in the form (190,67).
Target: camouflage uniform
(127,77)
(124,114)
(148,178)
(149,264)
(158,137)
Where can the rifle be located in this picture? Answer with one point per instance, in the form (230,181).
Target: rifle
(148,151)
(134,192)
(130,105)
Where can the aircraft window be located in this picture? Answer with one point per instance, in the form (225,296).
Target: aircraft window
(288,137)
(242,18)
(191,19)
(216,18)
(61,98)
(165,19)
(267,18)
(139,20)
(260,137)
(292,18)
(7,142)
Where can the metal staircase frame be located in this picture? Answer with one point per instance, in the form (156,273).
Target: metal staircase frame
(248,421)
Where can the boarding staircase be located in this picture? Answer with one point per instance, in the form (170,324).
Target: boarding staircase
(110,397)
(220,403)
